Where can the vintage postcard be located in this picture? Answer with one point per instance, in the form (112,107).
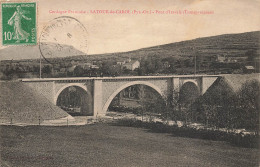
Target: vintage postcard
(129,83)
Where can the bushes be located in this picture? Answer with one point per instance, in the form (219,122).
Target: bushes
(124,109)
(223,107)
(242,140)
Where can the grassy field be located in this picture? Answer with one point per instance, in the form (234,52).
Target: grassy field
(110,145)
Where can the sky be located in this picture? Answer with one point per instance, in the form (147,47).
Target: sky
(107,33)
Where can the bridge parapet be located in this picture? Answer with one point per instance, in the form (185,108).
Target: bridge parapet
(77,79)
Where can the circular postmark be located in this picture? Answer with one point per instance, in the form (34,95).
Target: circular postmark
(62,37)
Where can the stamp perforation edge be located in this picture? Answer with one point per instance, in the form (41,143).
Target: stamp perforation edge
(36,24)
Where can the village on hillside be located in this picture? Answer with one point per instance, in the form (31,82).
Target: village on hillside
(154,65)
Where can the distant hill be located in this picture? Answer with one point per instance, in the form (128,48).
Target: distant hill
(33,52)
(231,45)
(228,44)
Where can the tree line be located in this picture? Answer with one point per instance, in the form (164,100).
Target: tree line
(219,107)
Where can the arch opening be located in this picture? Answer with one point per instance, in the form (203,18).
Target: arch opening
(188,94)
(76,101)
(137,99)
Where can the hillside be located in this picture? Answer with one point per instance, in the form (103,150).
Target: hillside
(33,52)
(229,45)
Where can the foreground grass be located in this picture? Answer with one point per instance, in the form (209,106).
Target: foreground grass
(107,145)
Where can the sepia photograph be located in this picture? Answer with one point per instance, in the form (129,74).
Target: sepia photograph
(129,83)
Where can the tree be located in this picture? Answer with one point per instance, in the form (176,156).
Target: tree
(46,69)
(78,71)
(198,59)
(249,96)
(3,76)
(188,94)
(171,106)
(148,65)
(110,69)
(251,54)
(221,106)
(217,105)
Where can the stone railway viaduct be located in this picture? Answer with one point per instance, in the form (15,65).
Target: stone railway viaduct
(101,91)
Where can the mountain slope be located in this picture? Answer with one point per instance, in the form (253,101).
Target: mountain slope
(33,52)
(228,44)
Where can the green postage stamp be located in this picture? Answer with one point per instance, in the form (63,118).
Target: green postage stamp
(19,24)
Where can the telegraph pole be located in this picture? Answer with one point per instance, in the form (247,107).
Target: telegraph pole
(195,59)
(195,64)
(40,65)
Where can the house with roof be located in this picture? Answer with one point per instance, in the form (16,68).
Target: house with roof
(221,58)
(71,69)
(248,69)
(94,66)
(132,65)
(85,65)
(120,62)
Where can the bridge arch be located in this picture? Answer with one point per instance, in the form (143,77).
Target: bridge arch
(189,91)
(113,95)
(192,81)
(85,101)
(67,86)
